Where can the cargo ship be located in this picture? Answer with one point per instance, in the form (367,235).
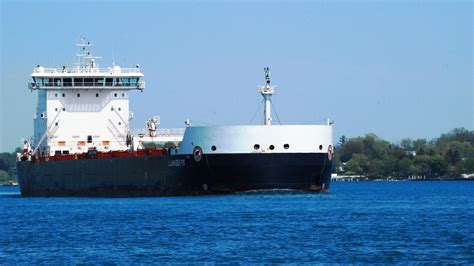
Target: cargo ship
(83,145)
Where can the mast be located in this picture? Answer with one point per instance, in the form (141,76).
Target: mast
(267,91)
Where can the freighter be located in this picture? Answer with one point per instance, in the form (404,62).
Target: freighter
(83,144)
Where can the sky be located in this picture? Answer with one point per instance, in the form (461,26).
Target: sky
(398,69)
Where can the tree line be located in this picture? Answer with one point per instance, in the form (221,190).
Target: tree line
(449,155)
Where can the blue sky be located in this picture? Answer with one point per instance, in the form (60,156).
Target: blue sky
(395,68)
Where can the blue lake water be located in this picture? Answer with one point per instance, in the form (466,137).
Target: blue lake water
(365,222)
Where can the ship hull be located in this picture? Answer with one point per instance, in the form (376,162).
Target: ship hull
(169,175)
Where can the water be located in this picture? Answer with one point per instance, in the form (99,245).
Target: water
(377,222)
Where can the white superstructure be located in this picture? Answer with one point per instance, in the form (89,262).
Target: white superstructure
(83,107)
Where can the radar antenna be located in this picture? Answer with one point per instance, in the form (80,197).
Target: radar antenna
(86,59)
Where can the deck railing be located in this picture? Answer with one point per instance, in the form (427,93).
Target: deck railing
(140,85)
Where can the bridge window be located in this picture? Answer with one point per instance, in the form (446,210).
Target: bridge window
(126,81)
(99,82)
(109,81)
(67,82)
(57,82)
(78,82)
(38,81)
(118,82)
(88,82)
(48,82)
(133,81)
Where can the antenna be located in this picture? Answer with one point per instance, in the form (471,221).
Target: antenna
(85,54)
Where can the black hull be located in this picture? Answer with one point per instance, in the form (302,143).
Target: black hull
(175,175)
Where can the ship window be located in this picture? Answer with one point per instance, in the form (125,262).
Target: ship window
(56,95)
(57,152)
(55,109)
(78,95)
(97,95)
(133,81)
(47,82)
(213,148)
(64,95)
(67,82)
(64,109)
(120,123)
(65,152)
(99,82)
(115,94)
(256,146)
(120,109)
(320,147)
(88,82)
(38,81)
(41,115)
(118,82)
(126,81)
(56,124)
(271,147)
(57,82)
(286,146)
(109,81)
(123,94)
(111,108)
(78,82)
(89,139)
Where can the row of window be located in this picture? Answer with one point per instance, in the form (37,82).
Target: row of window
(271,147)
(86,82)
(79,95)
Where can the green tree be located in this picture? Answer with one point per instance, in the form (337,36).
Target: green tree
(359,164)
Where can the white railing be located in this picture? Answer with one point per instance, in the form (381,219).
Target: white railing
(140,85)
(160,132)
(51,70)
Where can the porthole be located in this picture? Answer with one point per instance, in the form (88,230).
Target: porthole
(286,146)
(256,146)
(320,147)
(271,147)
(213,148)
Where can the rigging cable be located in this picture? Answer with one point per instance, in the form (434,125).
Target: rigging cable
(273,106)
(260,106)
